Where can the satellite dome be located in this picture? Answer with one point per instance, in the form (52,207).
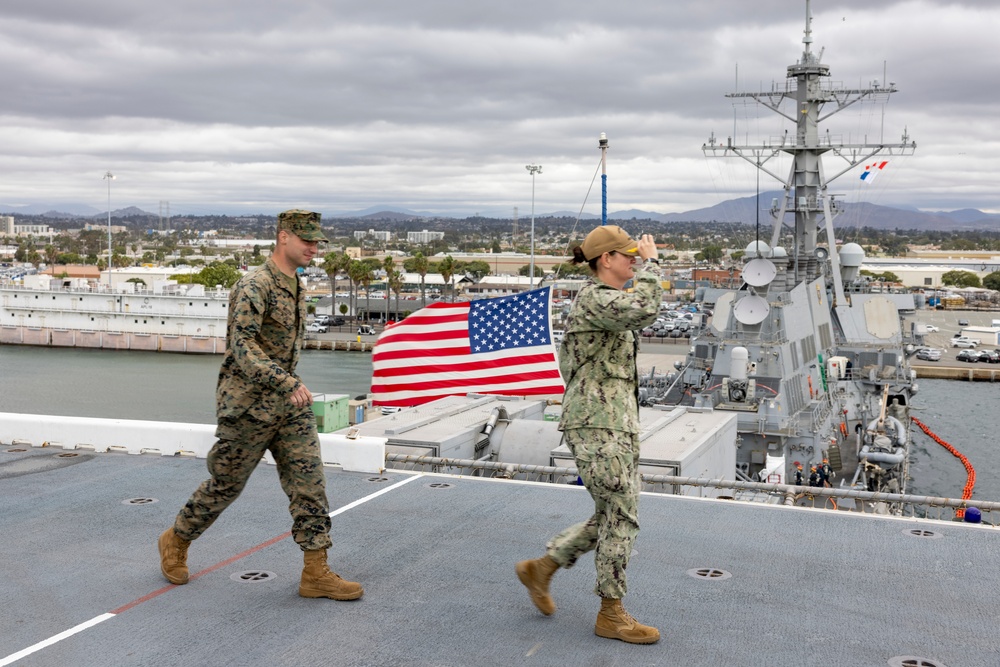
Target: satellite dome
(757,249)
(851,255)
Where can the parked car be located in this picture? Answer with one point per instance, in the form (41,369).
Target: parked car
(964,341)
(929,354)
(648,332)
(968,356)
(989,357)
(323,319)
(678,333)
(661,333)
(337,322)
(931,328)
(963,323)
(316,327)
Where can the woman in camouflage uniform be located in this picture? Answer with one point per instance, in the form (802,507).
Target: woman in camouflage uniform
(600,422)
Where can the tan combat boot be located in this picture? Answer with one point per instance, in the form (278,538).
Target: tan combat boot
(536,575)
(319,582)
(173,557)
(614,622)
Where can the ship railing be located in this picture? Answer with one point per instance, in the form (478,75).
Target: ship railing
(737,336)
(482,468)
(814,415)
(833,498)
(113,311)
(897,374)
(210,293)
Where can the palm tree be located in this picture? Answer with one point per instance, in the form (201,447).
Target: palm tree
(446,267)
(330,266)
(366,275)
(395,280)
(388,265)
(420,266)
(334,264)
(355,270)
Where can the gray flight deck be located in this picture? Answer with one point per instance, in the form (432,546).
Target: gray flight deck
(436,556)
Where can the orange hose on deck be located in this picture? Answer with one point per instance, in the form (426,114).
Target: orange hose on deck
(970,482)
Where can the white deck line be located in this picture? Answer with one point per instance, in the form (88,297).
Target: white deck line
(55,639)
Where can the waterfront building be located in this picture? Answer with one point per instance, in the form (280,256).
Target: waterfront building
(377,235)
(493,286)
(149,275)
(115,229)
(927,272)
(88,272)
(30,230)
(424,236)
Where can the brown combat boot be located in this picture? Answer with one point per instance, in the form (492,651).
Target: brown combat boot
(614,622)
(173,557)
(319,582)
(536,575)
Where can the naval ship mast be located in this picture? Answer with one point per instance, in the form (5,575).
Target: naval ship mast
(811,360)
(807,86)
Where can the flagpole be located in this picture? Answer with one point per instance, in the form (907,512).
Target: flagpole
(603,144)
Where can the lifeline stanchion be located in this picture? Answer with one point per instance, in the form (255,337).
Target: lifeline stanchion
(970,481)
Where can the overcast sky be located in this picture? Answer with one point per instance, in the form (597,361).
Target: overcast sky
(257,106)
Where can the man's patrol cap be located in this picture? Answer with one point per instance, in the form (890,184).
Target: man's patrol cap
(608,238)
(304,224)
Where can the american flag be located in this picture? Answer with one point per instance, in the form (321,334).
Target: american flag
(487,346)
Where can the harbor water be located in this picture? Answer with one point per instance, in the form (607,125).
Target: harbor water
(181,388)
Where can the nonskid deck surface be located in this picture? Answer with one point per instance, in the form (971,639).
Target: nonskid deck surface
(436,556)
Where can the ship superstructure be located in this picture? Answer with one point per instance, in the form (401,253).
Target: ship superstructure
(63,312)
(810,360)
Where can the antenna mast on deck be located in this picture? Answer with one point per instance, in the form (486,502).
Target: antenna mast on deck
(807,85)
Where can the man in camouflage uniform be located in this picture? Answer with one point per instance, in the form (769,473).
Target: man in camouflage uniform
(263,406)
(600,422)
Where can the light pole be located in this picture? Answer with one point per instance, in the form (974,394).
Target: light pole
(533,169)
(602,143)
(108,176)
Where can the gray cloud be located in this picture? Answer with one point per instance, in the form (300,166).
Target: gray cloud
(253,106)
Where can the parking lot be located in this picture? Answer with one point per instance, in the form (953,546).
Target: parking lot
(947,322)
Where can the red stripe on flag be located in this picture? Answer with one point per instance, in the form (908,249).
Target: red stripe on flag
(387,355)
(405,337)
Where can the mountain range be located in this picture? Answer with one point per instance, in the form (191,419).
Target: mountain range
(742,210)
